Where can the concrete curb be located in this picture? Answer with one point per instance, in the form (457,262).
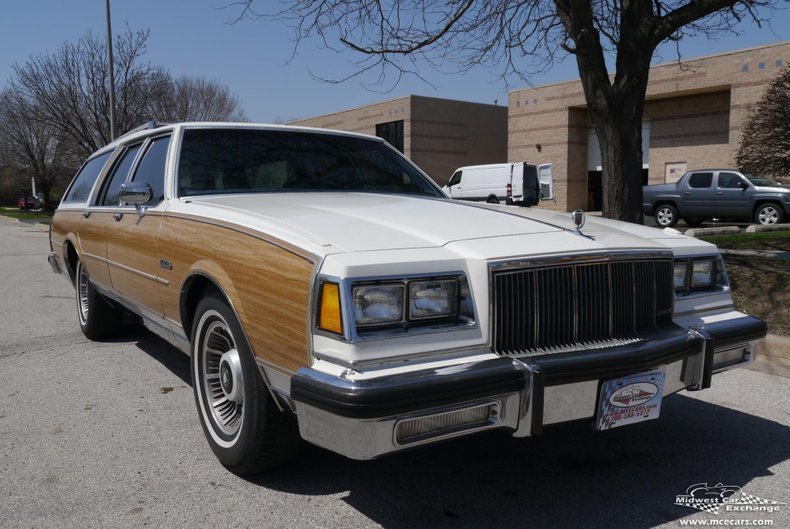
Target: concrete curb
(37,226)
(724,230)
(755,228)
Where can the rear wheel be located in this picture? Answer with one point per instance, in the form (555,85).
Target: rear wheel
(666,215)
(98,318)
(493,200)
(769,214)
(243,426)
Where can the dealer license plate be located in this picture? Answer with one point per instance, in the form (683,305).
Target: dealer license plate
(630,399)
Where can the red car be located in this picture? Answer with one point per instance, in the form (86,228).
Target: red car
(26,203)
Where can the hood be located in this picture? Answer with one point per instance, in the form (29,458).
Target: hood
(354,222)
(772,189)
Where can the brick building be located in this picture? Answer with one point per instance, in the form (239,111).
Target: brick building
(694,116)
(439,135)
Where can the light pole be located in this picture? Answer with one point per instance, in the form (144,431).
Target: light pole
(112,75)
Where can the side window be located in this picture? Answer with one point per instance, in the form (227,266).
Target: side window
(119,174)
(83,183)
(455,180)
(730,181)
(700,180)
(151,168)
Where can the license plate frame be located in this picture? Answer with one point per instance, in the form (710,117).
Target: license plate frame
(629,399)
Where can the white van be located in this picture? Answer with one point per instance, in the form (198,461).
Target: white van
(510,183)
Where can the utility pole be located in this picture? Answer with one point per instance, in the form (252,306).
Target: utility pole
(112,75)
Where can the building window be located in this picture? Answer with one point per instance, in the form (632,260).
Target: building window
(392,133)
(779,62)
(745,68)
(761,66)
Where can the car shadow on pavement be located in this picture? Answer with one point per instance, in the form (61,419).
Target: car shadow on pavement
(571,476)
(166,354)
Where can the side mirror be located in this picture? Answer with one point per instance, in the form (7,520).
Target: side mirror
(743,185)
(137,193)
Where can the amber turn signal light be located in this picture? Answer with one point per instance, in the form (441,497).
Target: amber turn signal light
(329,309)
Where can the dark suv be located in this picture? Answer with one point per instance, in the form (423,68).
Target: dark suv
(717,193)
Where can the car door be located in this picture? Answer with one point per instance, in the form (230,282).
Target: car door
(93,226)
(699,195)
(133,239)
(733,195)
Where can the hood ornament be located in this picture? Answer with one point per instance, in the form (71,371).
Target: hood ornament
(578,218)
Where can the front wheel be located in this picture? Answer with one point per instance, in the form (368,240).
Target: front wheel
(666,216)
(769,214)
(243,426)
(98,319)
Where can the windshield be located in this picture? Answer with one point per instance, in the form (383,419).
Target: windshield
(219,161)
(762,180)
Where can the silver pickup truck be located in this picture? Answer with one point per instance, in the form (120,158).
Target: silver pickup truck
(717,193)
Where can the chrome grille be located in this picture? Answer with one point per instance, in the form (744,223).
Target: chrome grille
(580,305)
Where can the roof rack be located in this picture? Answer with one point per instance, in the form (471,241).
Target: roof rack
(146,126)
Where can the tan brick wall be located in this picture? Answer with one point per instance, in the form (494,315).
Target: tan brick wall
(697,110)
(447,134)
(439,135)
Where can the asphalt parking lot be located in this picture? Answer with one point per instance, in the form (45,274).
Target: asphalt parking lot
(106,435)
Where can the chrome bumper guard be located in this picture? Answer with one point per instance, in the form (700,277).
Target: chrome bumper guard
(364,419)
(53,262)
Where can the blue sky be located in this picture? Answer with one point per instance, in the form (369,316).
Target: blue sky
(194,37)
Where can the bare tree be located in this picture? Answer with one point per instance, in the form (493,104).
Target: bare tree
(196,99)
(28,147)
(765,146)
(395,35)
(70,88)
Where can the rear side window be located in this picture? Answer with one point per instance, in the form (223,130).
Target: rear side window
(83,183)
(700,180)
(119,175)
(151,169)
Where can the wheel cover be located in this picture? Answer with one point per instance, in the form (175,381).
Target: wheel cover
(221,379)
(83,306)
(664,216)
(768,215)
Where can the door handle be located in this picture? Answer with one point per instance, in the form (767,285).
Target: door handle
(687,193)
(720,193)
(117,216)
(86,214)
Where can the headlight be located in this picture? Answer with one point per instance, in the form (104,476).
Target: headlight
(390,306)
(703,273)
(680,273)
(699,275)
(432,299)
(378,304)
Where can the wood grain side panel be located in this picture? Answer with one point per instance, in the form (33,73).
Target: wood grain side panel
(268,285)
(64,223)
(133,258)
(93,244)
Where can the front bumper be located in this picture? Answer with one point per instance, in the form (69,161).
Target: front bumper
(364,419)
